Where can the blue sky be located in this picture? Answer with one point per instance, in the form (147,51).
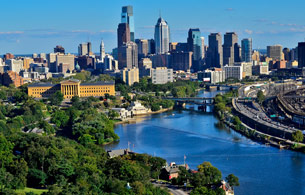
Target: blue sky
(35,26)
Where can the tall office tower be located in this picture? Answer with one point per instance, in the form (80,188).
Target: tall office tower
(287,54)
(275,52)
(230,49)
(151,46)
(123,34)
(294,54)
(194,43)
(142,47)
(301,54)
(128,55)
(162,36)
(84,49)
(102,51)
(181,60)
(127,17)
(59,49)
(246,50)
(202,48)
(214,53)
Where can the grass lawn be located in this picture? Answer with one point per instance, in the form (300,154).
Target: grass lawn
(36,191)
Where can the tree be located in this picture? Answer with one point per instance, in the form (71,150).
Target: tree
(113,114)
(60,118)
(260,96)
(232,180)
(298,136)
(56,98)
(6,151)
(36,178)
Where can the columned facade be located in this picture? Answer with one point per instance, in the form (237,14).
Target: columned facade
(70,88)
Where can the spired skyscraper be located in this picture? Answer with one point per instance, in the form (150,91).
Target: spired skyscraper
(246,50)
(162,36)
(127,17)
(214,53)
(102,51)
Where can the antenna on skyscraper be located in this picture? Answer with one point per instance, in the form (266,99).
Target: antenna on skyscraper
(160,13)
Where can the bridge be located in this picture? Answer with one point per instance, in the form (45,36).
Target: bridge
(202,102)
(220,86)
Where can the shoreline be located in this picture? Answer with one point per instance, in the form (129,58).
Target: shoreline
(140,117)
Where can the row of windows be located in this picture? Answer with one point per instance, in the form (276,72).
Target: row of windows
(41,89)
(90,88)
(96,91)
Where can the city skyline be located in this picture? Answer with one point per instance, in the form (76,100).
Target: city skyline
(71,24)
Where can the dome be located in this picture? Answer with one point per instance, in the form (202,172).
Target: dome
(77,67)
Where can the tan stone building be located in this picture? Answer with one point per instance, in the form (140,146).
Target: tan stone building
(72,88)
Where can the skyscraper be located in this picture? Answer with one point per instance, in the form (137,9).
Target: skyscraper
(127,17)
(230,49)
(162,36)
(194,43)
(275,52)
(123,34)
(142,47)
(128,55)
(246,50)
(102,51)
(84,49)
(214,54)
(301,54)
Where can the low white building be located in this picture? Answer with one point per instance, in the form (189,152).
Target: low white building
(124,114)
(137,108)
(234,72)
(213,76)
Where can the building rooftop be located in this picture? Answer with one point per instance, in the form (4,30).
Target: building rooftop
(42,85)
(98,83)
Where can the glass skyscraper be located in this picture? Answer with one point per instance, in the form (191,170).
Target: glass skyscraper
(194,42)
(162,36)
(127,17)
(246,50)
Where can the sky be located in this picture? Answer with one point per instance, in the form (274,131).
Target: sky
(37,26)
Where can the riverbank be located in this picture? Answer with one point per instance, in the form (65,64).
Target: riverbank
(141,117)
(260,137)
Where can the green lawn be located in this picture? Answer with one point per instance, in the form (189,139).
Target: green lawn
(36,191)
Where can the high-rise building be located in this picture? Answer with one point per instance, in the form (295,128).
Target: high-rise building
(65,63)
(162,75)
(151,46)
(246,50)
(102,51)
(85,49)
(27,62)
(287,55)
(230,49)
(275,52)
(145,67)
(127,17)
(59,49)
(181,60)
(142,47)
(214,53)
(11,77)
(123,34)
(128,55)
(194,43)
(130,75)
(162,36)
(301,54)
(233,72)
(202,48)
(15,65)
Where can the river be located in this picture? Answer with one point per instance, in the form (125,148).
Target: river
(261,169)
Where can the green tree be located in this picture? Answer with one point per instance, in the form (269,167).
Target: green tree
(60,118)
(19,169)
(298,136)
(6,151)
(56,98)
(232,180)
(36,178)
(260,96)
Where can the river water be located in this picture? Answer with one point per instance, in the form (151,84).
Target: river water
(261,169)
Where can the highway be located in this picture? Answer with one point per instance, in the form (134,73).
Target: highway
(259,116)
